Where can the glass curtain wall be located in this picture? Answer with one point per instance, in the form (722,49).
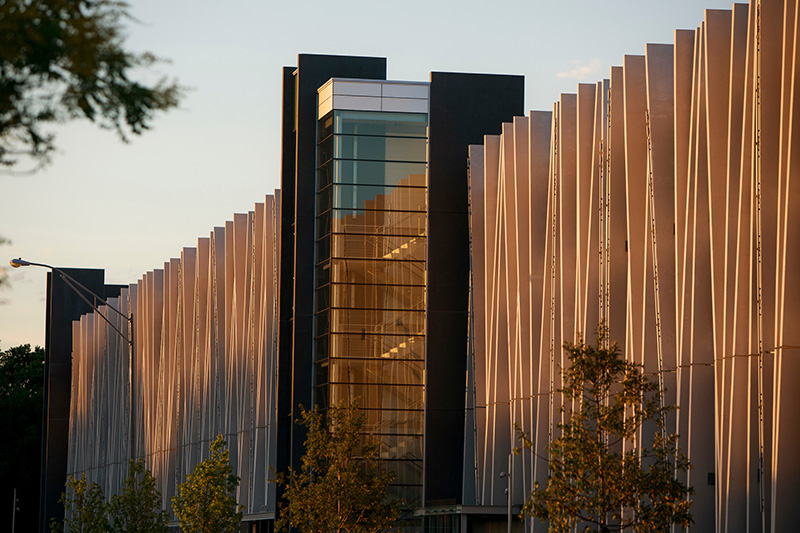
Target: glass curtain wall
(370,279)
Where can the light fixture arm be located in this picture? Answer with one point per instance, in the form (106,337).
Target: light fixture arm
(75,285)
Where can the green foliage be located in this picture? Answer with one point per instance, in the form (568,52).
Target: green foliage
(339,486)
(601,478)
(138,508)
(206,502)
(62,60)
(21,397)
(85,508)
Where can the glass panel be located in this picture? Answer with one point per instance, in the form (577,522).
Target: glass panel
(325,150)
(325,175)
(377,396)
(389,371)
(376,297)
(412,497)
(400,446)
(324,199)
(372,346)
(323,224)
(380,173)
(320,374)
(321,323)
(323,298)
(376,197)
(376,321)
(377,247)
(325,126)
(321,396)
(377,148)
(405,472)
(323,274)
(321,345)
(394,124)
(396,422)
(323,248)
(378,271)
(379,222)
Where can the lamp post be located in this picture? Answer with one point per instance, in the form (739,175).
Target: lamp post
(507,475)
(77,287)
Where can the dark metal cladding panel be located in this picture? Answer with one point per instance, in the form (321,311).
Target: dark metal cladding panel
(63,306)
(286,288)
(313,71)
(463,108)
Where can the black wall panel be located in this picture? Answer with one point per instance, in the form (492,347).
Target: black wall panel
(463,108)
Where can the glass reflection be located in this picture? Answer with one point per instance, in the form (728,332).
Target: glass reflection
(378,297)
(380,173)
(382,124)
(370,279)
(376,197)
(389,371)
(374,222)
(375,346)
(377,247)
(366,148)
(377,321)
(377,396)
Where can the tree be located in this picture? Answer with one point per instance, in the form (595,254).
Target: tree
(205,502)
(62,60)
(339,486)
(593,481)
(21,397)
(85,508)
(138,508)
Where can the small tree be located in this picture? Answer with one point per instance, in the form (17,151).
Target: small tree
(339,486)
(205,502)
(85,508)
(138,508)
(591,485)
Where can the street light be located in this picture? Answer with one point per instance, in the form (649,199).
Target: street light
(76,287)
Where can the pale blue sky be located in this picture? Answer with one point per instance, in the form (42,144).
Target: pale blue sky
(129,208)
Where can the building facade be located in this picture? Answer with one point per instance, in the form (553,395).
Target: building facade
(328,291)
(371,233)
(430,251)
(374,290)
(662,201)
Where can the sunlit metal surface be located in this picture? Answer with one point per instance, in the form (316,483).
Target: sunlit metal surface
(204,364)
(664,201)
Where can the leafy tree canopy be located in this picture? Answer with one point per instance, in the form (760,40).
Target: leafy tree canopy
(339,486)
(138,508)
(206,501)
(85,508)
(21,397)
(65,59)
(601,476)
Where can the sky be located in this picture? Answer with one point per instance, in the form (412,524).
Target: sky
(128,208)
